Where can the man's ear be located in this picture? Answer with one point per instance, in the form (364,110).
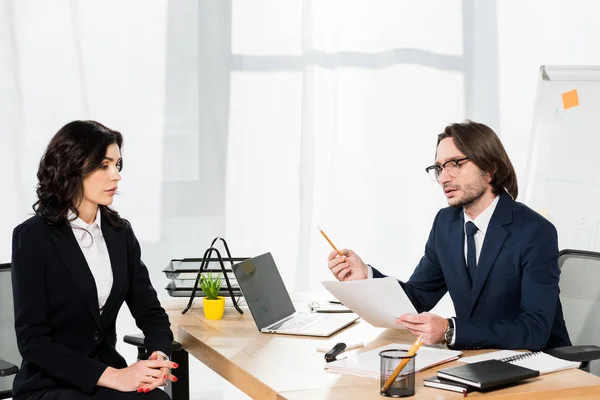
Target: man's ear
(489,176)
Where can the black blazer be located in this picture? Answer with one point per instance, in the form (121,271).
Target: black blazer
(62,337)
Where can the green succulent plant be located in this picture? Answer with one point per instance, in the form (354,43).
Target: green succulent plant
(210,285)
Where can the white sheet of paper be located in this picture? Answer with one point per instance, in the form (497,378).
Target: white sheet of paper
(368,363)
(378,301)
(494,355)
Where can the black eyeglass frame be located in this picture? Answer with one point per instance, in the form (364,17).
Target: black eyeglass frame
(439,168)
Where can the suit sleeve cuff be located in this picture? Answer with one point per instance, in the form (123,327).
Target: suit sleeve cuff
(164,347)
(369,272)
(91,376)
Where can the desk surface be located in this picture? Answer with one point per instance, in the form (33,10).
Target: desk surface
(267,366)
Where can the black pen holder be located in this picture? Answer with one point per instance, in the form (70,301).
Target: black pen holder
(403,384)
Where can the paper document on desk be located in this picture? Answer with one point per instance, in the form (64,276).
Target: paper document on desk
(495,355)
(368,363)
(378,301)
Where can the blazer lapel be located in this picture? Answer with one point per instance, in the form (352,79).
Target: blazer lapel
(116,246)
(69,251)
(495,236)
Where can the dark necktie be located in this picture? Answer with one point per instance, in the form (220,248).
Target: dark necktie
(471,251)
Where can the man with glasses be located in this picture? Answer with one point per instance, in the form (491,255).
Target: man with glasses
(496,257)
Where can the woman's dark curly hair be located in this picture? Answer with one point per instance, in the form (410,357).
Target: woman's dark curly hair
(76,150)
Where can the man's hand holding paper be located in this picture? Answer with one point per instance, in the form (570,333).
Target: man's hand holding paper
(381,302)
(430,326)
(378,301)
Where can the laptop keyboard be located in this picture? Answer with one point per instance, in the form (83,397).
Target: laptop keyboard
(297,323)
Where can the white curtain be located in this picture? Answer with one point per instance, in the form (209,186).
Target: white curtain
(67,60)
(261,120)
(335,107)
(136,72)
(332,125)
(138,67)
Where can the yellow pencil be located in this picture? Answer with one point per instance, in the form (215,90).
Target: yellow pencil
(411,352)
(332,245)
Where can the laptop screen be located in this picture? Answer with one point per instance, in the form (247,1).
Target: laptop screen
(264,290)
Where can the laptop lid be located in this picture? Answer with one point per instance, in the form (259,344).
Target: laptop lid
(264,290)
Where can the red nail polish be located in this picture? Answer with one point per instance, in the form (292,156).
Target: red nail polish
(174,379)
(146,390)
(175,365)
(164,377)
(140,390)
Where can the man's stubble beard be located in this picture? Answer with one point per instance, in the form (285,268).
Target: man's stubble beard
(472,193)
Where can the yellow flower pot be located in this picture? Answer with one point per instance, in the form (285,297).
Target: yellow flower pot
(214,309)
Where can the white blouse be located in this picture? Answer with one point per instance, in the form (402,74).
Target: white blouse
(92,244)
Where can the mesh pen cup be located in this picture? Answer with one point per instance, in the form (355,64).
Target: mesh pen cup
(404,384)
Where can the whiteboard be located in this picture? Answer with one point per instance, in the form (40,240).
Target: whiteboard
(563,168)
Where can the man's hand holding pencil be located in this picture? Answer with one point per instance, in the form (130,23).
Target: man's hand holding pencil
(348,266)
(345,264)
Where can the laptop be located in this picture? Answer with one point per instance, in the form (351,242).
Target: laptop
(271,306)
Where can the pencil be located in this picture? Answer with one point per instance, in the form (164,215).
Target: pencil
(411,352)
(330,242)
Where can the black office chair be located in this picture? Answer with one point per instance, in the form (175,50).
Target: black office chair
(10,357)
(9,353)
(580,298)
(179,390)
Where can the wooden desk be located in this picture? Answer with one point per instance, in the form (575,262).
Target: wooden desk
(267,366)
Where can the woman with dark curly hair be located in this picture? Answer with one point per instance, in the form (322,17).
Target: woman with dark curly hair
(73,265)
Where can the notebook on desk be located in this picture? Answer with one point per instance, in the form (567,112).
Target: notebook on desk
(367,363)
(446,384)
(539,361)
(487,374)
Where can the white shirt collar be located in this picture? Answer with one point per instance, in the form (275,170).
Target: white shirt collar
(81,226)
(483,220)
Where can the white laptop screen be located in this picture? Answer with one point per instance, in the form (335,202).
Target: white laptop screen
(264,290)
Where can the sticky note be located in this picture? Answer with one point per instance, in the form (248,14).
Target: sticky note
(570,99)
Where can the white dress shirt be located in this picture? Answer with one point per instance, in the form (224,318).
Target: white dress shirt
(481,222)
(92,244)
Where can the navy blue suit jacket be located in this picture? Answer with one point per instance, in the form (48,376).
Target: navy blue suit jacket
(513,302)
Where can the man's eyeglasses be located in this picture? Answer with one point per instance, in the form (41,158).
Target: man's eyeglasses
(452,167)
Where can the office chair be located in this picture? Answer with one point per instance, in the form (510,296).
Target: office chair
(10,356)
(181,389)
(580,299)
(9,353)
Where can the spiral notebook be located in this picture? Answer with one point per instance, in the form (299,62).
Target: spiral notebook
(487,374)
(539,361)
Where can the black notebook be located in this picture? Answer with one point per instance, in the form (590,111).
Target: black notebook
(440,383)
(487,374)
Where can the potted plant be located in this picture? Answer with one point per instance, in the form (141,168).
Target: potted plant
(214,305)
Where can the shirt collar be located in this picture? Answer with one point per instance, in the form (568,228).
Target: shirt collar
(81,226)
(483,220)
